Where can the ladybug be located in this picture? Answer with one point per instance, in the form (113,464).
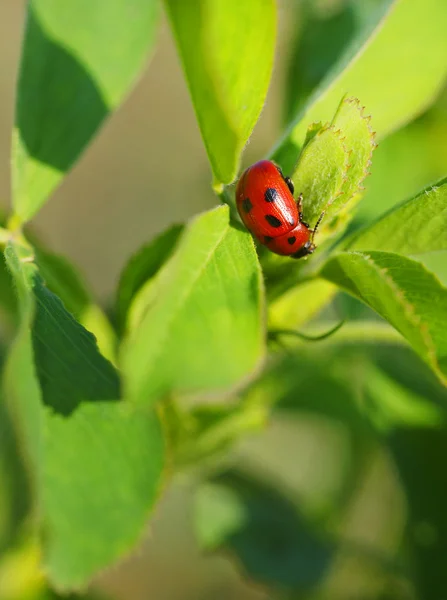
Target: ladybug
(264,199)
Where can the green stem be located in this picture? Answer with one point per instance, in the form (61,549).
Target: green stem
(275,333)
(369,332)
(354,332)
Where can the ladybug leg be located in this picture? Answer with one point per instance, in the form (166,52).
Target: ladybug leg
(288,181)
(299,203)
(290,185)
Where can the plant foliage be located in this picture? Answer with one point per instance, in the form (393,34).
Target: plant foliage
(206,339)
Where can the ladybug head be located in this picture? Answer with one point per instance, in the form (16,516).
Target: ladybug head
(308,248)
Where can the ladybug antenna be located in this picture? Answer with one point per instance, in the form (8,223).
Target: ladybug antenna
(317,224)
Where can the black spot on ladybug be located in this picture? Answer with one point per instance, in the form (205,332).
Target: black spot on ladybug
(291,240)
(270,195)
(267,239)
(247,205)
(273,221)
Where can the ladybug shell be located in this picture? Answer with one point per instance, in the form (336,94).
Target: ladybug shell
(265,203)
(294,242)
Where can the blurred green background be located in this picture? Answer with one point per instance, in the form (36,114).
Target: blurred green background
(109,205)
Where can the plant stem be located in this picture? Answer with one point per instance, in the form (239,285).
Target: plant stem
(354,332)
(275,333)
(368,332)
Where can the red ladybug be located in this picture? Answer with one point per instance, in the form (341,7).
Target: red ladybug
(264,199)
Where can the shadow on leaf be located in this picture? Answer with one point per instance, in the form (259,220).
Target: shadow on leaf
(68,112)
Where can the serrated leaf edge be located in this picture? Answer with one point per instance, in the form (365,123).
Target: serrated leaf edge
(338,133)
(367,118)
(408,309)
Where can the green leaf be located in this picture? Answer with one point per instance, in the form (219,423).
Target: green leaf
(332,166)
(436,262)
(300,303)
(78,62)
(198,327)
(8,299)
(226,48)
(402,365)
(315,379)
(65,281)
(404,293)
(394,94)
(15,496)
(21,577)
(391,404)
(263,528)
(419,455)
(320,38)
(406,162)
(100,481)
(416,227)
(321,171)
(142,267)
(325,36)
(359,141)
(208,430)
(321,385)
(96,463)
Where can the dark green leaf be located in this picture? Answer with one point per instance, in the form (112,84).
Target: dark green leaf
(263,529)
(403,366)
(96,463)
(322,36)
(15,493)
(79,59)
(64,280)
(420,459)
(142,267)
(83,374)
(8,300)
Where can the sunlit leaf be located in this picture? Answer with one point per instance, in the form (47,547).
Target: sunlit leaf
(387,69)
(404,293)
(300,303)
(198,326)
(418,226)
(226,48)
(321,170)
(406,162)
